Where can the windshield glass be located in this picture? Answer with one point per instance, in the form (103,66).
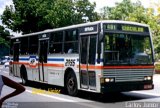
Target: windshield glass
(127,49)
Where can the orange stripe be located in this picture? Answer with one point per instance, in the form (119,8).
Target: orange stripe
(33,66)
(54,65)
(20,63)
(89,67)
(40,64)
(82,66)
(24,63)
(95,67)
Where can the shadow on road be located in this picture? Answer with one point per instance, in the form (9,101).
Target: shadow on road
(116,97)
(103,98)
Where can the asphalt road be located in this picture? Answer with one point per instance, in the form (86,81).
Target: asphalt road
(45,99)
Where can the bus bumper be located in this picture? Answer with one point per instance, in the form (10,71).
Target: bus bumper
(126,86)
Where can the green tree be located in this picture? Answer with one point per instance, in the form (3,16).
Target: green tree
(120,12)
(61,13)
(4,40)
(25,16)
(126,10)
(37,15)
(84,9)
(105,13)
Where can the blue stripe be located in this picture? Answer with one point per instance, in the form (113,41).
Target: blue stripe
(24,59)
(49,59)
(32,56)
(99,60)
(56,59)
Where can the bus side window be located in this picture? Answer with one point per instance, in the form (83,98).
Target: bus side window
(71,41)
(33,44)
(56,42)
(24,46)
(51,47)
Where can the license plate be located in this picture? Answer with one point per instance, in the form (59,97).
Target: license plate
(148,87)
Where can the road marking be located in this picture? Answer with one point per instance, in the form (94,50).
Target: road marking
(66,100)
(147,93)
(53,97)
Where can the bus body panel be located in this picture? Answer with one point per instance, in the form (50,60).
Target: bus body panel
(95,74)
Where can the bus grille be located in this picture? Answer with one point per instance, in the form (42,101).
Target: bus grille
(124,75)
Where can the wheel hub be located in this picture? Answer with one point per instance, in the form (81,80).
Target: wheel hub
(71,83)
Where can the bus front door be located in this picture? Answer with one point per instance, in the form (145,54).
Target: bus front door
(43,52)
(87,62)
(16,70)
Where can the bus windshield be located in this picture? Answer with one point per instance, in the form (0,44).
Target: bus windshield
(127,49)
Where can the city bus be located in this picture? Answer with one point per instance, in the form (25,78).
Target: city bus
(100,57)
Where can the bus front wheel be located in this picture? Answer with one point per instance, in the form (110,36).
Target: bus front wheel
(71,84)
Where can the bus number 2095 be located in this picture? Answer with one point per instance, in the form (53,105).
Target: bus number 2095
(70,62)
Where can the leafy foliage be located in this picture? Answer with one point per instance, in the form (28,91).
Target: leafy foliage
(28,16)
(126,10)
(4,40)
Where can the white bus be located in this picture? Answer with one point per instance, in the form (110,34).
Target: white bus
(102,56)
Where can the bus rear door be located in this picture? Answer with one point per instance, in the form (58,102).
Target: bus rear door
(43,53)
(16,70)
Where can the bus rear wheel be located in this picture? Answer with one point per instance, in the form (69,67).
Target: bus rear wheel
(71,84)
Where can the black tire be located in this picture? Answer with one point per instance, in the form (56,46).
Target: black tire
(71,84)
(24,76)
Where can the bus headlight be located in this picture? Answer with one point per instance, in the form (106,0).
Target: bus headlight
(147,78)
(109,79)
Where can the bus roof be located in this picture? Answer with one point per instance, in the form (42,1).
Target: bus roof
(82,25)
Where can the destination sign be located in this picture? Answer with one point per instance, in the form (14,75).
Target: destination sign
(45,35)
(88,29)
(132,28)
(125,27)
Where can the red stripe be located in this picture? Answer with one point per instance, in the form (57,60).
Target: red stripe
(158,71)
(115,67)
(128,67)
(90,66)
